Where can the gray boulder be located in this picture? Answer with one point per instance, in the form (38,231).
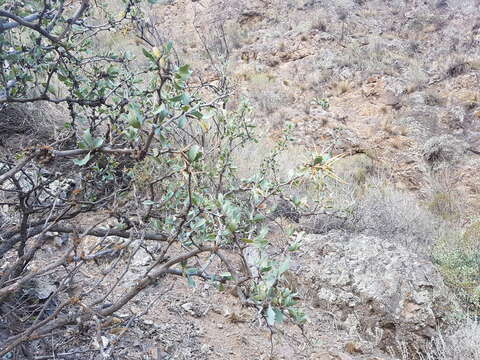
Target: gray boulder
(378,291)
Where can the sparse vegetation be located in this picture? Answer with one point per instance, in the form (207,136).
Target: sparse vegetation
(301,129)
(375,208)
(457,254)
(457,344)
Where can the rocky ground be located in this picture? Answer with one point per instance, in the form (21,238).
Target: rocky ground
(397,82)
(353,312)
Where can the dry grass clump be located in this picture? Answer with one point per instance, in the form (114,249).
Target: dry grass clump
(23,125)
(375,208)
(461,343)
(387,126)
(442,149)
(389,213)
(457,68)
(416,77)
(342,87)
(444,204)
(413,47)
(266,92)
(433,99)
(236,36)
(319,24)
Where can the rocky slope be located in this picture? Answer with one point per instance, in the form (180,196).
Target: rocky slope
(397,81)
(392,84)
(366,298)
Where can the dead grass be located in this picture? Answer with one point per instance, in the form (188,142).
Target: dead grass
(368,204)
(23,125)
(266,92)
(461,343)
(249,159)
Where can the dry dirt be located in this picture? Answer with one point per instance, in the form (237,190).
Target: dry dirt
(174,320)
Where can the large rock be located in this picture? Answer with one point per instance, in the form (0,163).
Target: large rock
(377,290)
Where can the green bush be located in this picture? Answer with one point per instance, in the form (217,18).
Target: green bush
(457,255)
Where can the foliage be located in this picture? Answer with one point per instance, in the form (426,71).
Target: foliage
(458,258)
(147,155)
(322,102)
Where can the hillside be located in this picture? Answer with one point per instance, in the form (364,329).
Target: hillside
(395,81)
(385,247)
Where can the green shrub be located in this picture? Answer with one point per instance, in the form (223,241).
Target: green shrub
(154,153)
(457,255)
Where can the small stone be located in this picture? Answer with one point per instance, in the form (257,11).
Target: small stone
(103,345)
(162,355)
(352,348)
(187,307)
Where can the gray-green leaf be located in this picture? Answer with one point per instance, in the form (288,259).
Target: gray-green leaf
(194,153)
(270,316)
(83,161)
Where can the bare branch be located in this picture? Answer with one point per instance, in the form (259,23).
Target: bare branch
(151,278)
(107,232)
(27,21)
(13,24)
(28,24)
(16,168)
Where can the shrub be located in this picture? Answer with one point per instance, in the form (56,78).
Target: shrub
(149,166)
(319,25)
(397,215)
(443,204)
(444,148)
(457,255)
(457,68)
(378,209)
(460,343)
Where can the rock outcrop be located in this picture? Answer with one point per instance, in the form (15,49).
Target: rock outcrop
(378,291)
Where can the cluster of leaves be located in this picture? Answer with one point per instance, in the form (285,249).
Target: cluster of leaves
(322,102)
